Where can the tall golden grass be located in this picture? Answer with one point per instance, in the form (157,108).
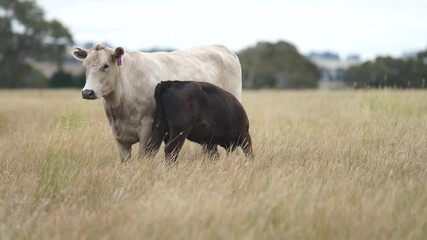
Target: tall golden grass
(328,165)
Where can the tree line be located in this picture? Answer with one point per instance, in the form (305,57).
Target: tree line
(24,34)
(277,65)
(410,72)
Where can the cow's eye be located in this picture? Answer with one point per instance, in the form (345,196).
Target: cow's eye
(105,67)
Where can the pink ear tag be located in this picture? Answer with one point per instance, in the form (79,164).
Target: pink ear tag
(119,60)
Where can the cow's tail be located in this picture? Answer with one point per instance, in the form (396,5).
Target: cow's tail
(158,93)
(159,127)
(158,97)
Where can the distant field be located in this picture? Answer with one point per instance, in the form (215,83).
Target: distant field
(328,165)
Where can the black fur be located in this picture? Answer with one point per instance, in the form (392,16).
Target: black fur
(200,112)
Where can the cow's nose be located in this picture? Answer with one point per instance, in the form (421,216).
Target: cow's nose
(88,94)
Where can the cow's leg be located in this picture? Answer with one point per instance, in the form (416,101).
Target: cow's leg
(211,150)
(125,151)
(150,138)
(175,143)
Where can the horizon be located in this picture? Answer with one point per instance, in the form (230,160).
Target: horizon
(365,28)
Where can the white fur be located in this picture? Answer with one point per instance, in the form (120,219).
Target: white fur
(92,84)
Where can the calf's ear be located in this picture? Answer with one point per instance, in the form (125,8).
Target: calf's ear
(118,55)
(79,53)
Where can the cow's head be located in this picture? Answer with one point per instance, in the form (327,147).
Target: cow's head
(102,69)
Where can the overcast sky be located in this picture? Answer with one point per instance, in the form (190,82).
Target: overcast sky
(365,27)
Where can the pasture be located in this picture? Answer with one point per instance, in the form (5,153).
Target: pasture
(328,165)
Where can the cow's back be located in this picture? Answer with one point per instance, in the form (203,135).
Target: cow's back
(214,64)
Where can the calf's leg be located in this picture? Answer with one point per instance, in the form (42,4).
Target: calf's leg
(158,134)
(211,150)
(125,151)
(246,145)
(175,143)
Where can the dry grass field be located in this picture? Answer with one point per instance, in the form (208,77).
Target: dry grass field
(328,165)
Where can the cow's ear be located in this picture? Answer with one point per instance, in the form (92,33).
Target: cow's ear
(79,53)
(118,55)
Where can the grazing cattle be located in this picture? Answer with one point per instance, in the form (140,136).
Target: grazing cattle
(202,113)
(126,81)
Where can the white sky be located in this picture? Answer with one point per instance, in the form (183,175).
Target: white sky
(365,27)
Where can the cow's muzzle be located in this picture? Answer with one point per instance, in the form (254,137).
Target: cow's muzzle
(88,94)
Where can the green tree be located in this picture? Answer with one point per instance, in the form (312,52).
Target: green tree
(277,65)
(389,72)
(24,33)
(80,80)
(61,79)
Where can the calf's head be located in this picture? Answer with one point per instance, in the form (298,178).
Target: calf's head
(102,69)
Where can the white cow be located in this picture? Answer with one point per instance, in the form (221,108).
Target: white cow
(126,81)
